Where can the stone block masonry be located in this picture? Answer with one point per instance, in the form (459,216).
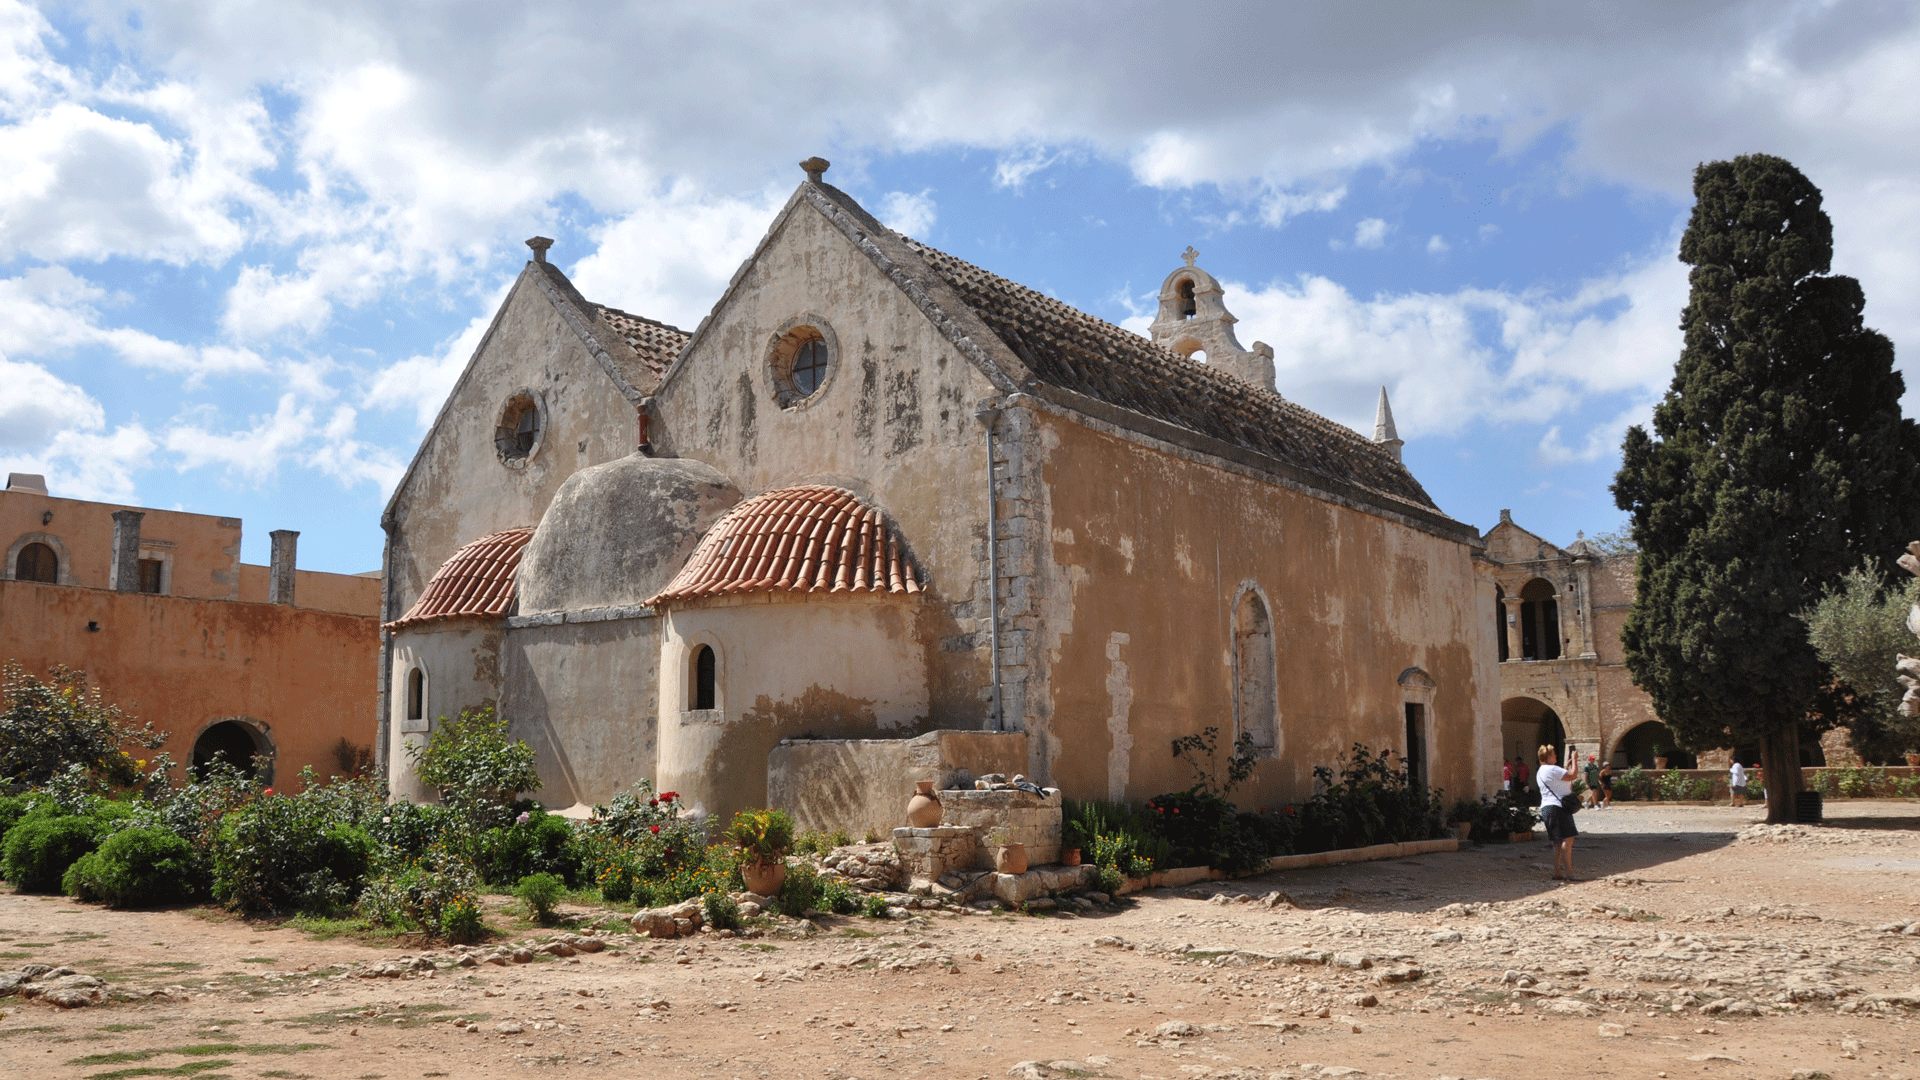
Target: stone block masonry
(1033,820)
(933,853)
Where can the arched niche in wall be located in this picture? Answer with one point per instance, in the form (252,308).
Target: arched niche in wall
(1256,698)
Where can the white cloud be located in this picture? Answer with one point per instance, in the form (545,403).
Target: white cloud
(254,454)
(1370,233)
(422,383)
(1437,245)
(908,214)
(52,427)
(37,406)
(51,310)
(671,258)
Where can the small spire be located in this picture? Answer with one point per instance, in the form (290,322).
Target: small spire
(540,244)
(1383,429)
(816,168)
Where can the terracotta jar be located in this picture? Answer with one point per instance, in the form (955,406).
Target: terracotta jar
(1913,761)
(923,810)
(1011,859)
(1659,763)
(764,879)
(1465,829)
(1070,857)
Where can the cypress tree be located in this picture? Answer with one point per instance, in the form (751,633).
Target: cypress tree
(1778,461)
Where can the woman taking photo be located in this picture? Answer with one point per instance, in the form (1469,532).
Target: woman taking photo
(1556,813)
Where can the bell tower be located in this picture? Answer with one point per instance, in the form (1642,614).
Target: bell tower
(1193,319)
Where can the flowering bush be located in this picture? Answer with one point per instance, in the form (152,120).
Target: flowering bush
(46,727)
(437,892)
(477,769)
(286,853)
(536,842)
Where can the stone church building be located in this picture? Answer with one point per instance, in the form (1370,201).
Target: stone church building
(755,558)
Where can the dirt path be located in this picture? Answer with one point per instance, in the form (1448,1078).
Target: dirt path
(1693,952)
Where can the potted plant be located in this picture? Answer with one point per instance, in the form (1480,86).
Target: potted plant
(1462,816)
(765,839)
(1071,842)
(1913,759)
(1009,857)
(1659,756)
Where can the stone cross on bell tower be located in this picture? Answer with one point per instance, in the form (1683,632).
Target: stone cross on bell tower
(1194,321)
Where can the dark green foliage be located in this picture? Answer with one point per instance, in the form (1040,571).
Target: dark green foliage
(15,807)
(477,769)
(836,896)
(800,893)
(437,893)
(1202,753)
(540,892)
(40,847)
(723,911)
(404,829)
(1125,836)
(1202,830)
(47,726)
(1778,461)
(136,867)
(1370,802)
(287,853)
(877,906)
(535,843)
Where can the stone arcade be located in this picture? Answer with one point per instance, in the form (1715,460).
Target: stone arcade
(788,586)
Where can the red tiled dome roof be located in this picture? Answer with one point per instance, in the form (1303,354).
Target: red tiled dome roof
(476,581)
(809,539)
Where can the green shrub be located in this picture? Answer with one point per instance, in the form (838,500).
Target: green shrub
(723,911)
(534,843)
(477,769)
(540,892)
(15,807)
(283,853)
(405,830)
(762,836)
(437,893)
(1110,881)
(800,893)
(41,846)
(136,867)
(838,897)
(877,906)
(47,727)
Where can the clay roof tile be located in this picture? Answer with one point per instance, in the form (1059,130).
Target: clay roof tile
(477,581)
(808,538)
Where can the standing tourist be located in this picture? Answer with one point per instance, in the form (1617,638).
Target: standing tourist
(1737,784)
(1556,792)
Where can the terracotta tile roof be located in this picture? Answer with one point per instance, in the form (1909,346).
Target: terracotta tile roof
(809,539)
(656,343)
(476,581)
(1075,351)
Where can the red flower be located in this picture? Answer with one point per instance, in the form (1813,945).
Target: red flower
(656,828)
(669,796)
(269,791)
(653,802)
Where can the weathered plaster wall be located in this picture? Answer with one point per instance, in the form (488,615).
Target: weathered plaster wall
(183,664)
(202,552)
(458,489)
(786,668)
(862,785)
(893,423)
(1623,706)
(349,594)
(583,696)
(461,659)
(1145,555)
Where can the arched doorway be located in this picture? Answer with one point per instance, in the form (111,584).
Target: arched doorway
(1638,746)
(238,743)
(1526,724)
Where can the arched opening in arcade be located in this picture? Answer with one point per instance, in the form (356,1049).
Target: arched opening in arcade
(1636,747)
(239,743)
(1526,724)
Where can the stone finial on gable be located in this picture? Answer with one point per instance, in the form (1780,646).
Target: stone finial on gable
(540,244)
(1193,319)
(816,169)
(1384,431)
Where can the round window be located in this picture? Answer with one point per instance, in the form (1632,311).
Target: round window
(800,362)
(517,435)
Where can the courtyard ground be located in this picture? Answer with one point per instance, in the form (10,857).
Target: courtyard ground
(1700,946)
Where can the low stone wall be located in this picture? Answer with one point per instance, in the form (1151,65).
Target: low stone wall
(1187,875)
(862,785)
(1033,820)
(931,854)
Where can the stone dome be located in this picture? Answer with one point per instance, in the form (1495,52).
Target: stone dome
(616,533)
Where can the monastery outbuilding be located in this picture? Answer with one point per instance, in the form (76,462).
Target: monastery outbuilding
(788,586)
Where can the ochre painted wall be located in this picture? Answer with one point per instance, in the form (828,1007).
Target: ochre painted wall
(203,552)
(349,594)
(183,663)
(1146,554)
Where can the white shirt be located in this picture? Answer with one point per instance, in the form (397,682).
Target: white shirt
(1739,777)
(1554,784)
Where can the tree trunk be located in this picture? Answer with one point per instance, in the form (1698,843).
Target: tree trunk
(1780,758)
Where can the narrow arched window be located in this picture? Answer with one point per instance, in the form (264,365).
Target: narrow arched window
(703,677)
(1256,705)
(1539,621)
(416,694)
(37,562)
(1188,308)
(1500,621)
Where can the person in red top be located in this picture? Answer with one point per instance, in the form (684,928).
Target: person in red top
(1506,775)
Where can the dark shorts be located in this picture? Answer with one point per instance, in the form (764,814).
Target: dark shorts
(1559,823)
(1741,790)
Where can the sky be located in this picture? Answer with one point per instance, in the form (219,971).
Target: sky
(246,248)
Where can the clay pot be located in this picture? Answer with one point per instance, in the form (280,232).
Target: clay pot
(1659,763)
(1070,857)
(1519,837)
(1465,829)
(765,878)
(1011,859)
(1913,761)
(923,810)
